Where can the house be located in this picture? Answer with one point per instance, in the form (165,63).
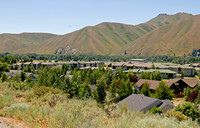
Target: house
(187,70)
(18,66)
(143,103)
(178,85)
(139,60)
(165,74)
(153,84)
(14,73)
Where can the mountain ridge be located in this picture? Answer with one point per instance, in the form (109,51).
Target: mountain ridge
(104,38)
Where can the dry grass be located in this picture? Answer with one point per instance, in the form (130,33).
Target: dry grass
(56,111)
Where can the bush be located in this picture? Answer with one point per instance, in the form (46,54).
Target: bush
(193,95)
(177,114)
(44,90)
(19,86)
(155,110)
(188,110)
(187,92)
(6,100)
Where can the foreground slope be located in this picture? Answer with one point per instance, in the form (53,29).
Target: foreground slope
(178,38)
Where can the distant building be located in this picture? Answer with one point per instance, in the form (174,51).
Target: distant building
(165,74)
(153,84)
(139,60)
(178,85)
(14,73)
(137,102)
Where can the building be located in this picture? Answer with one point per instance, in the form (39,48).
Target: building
(73,64)
(139,60)
(178,85)
(14,73)
(187,70)
(153,84)
(165,74)
(143,103)
(131,65)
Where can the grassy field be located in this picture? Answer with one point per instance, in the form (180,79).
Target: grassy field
(50,108)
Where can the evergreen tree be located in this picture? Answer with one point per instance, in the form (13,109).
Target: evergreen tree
(22,76)
(182,74)
(4,77)
(136,90)
(153,66)
(163,92)
(101,91)
(85,91)
(145,89)
(112,89)
(125,89)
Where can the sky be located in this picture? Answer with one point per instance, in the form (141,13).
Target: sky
(65,16)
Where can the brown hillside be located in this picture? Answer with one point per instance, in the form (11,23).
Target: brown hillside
(103,38)
(22,43)
(178,38)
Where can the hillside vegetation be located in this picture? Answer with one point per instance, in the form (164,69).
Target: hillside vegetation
(38,107)
(163,35)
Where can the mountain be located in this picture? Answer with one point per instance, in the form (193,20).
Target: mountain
(105,38)
(22,43)
(177,38)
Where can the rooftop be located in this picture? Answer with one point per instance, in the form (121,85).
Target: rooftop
(151,70)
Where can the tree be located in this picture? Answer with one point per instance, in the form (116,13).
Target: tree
(153,66)
(187,92)
(101,91)
(3,68)
(163,91)
(136,90)
(193,95)
(182,74)
(145,89)
(113,89)
(85,91)
(125,89)
(22,76)
(4,77)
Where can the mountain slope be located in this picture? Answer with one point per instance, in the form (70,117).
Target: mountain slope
(177,38)
(20,43)
(103,38)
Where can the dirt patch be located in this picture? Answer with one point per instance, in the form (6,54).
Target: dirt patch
(178,101)
(11,123)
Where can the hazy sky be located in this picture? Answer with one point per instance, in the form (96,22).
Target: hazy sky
(64,16)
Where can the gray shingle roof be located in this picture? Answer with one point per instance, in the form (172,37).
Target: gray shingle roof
(143,103)
(140,102)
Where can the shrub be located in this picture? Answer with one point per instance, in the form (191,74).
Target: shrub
(19,86)
(177,114)
(187,92)
(193,95)
(44,90)
(6,100)
(155,110)
(188,110)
